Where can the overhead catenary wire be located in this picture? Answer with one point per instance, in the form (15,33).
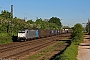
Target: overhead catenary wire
(85,14)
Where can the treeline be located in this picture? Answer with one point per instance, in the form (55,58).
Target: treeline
(87,28)
(9,24)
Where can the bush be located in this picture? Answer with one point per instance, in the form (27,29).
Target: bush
(77,34)
(5,38)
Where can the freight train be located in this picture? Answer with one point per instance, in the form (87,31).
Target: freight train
(25,34)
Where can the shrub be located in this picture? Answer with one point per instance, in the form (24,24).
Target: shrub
(77,34)
(5,38)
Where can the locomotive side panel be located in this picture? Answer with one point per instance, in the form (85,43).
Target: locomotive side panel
(32,34)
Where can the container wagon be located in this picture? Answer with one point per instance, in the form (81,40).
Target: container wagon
(52,32)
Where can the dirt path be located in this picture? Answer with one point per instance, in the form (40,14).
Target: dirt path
(84,49)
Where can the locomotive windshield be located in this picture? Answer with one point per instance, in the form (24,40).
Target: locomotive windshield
(21,32)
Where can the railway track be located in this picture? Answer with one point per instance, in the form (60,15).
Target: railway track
(25,52)
(18,50)
(19,45)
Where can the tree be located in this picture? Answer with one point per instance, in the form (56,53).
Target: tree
(30,21)
(88,27)
(56,21)
(66,27)
(38,21)
(77,33)
(5,14)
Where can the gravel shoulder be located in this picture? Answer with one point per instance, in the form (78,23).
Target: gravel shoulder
(84,49)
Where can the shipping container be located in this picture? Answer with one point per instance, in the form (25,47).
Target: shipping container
(47,33)
(58,32)
(52,32)
(37,33)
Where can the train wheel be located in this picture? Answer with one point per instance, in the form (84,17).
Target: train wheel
(25,40)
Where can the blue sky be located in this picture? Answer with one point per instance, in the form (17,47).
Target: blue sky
(70,11)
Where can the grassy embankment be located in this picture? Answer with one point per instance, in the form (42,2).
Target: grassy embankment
(69,54)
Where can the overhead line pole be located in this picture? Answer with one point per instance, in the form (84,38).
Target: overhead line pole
(12,18)
(88,26)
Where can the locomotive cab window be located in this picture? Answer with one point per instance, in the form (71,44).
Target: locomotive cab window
(27,31)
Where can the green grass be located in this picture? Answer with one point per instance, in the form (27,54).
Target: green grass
(41,53)
(69,54)
(59,43)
